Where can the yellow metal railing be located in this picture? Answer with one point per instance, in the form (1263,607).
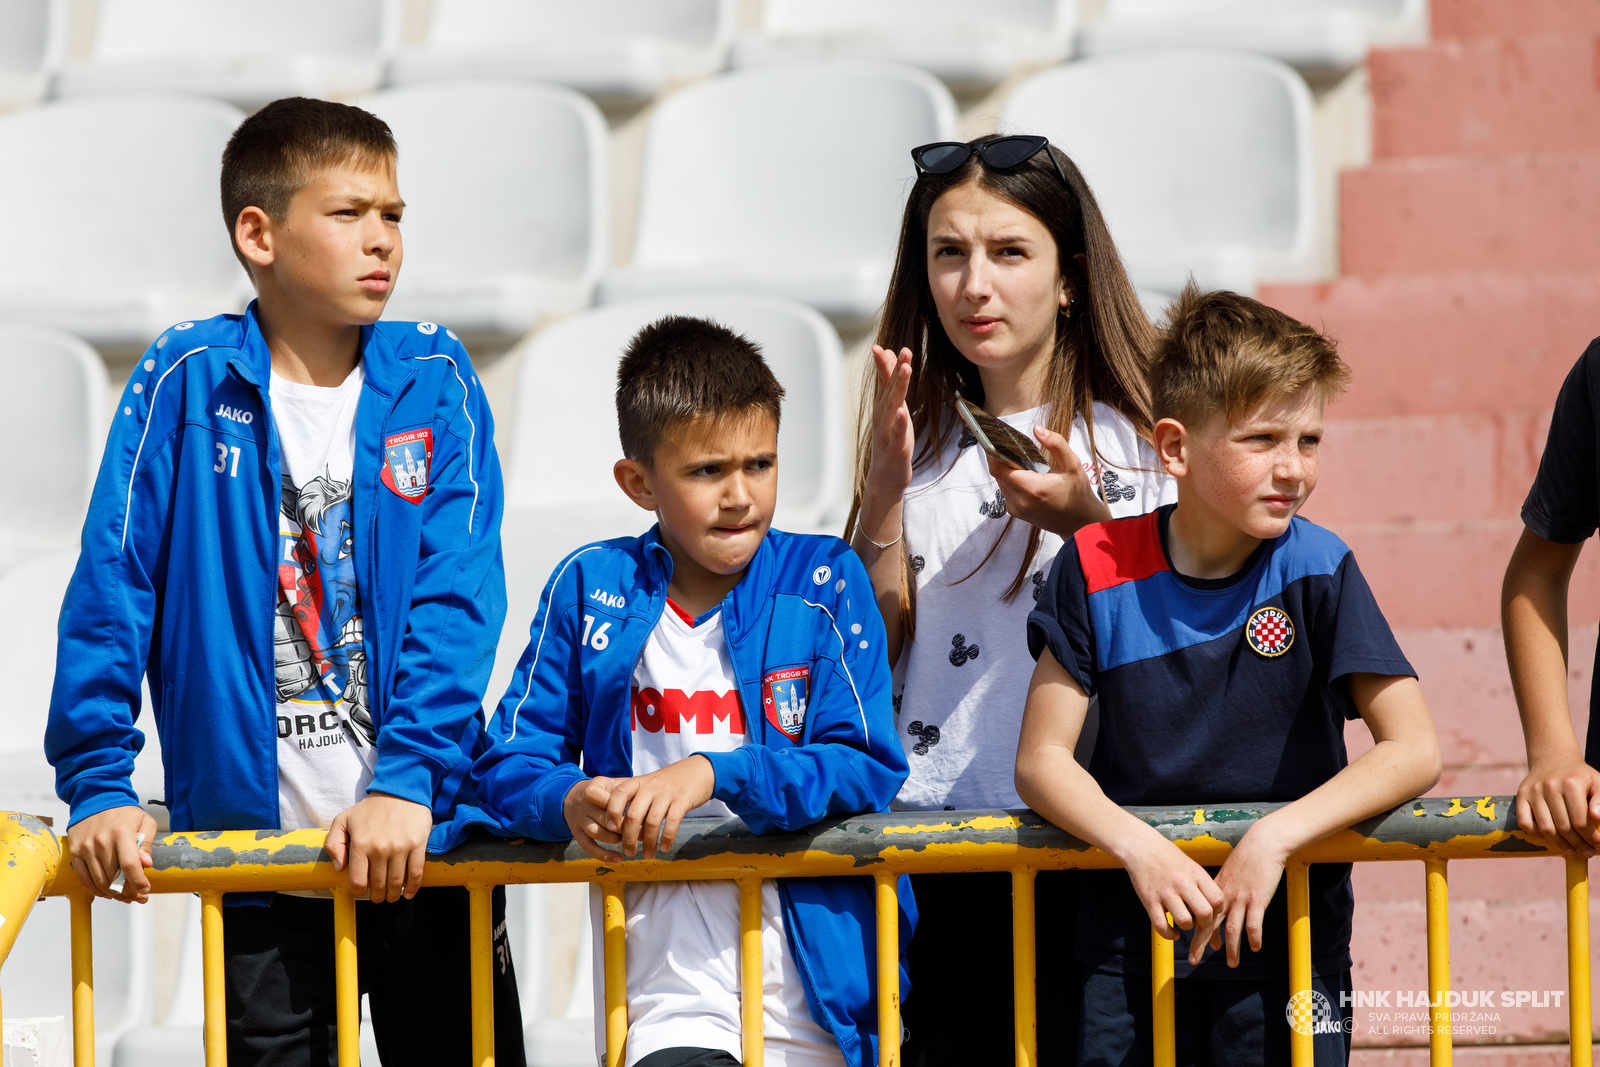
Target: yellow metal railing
(1433,831)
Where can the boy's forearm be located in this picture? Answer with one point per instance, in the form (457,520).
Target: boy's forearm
(1533,614)
(1054,784)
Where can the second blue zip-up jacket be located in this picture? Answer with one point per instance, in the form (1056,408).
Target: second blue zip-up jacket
(177,579)
(802,626)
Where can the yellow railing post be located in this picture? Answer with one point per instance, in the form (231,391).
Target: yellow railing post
(346,979)
(1163,1001)
(1438,895)
(82,981)
(752,982)
(888,970)
(615,943)
(1579,1019)
(1302,1047)
(213,979)
(1024,966)
(481,940)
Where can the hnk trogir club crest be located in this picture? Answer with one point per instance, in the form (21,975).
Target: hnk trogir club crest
(783,698)
(406,459)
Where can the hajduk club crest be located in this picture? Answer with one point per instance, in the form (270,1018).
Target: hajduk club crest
(1270,632)
(783,699)
(407,458)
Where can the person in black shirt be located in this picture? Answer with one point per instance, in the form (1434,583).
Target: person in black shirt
(1560,798)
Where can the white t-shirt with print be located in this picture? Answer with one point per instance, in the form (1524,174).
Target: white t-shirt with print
(325,734)
(962,682)
(683,937)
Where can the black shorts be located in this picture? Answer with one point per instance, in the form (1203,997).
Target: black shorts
(959,1013)
(414,967)
(1220,1023)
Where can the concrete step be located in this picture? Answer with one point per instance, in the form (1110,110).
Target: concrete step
(1523,94)
(1510,18)
(1453,466)
(1437,343)
(1468,688)
(1472,213)
(1447,574)
(1494,945)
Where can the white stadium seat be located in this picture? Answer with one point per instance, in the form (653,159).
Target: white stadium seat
(532,155)
(33,38)
(785,180)
(967,43)
(58,404)
(1321,38)
(614,50)
(248,52)
(1200,160)
(134,173)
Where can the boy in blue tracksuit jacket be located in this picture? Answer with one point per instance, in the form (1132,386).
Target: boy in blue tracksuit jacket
(295,537)
(708,667)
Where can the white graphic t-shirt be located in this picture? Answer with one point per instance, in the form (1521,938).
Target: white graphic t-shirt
(325,734)
(683,937)
(962,682)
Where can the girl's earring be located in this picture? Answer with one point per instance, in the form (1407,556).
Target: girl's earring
(1066,309)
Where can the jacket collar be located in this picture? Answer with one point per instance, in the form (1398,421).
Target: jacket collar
(383,369)
(743,601)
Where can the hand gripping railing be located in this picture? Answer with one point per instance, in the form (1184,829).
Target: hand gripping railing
(882,847)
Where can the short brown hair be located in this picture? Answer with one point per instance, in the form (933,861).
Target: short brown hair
(273,152)
(679,369)
(1222,352)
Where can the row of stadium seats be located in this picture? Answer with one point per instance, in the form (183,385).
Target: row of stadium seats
(251,51)
(783,181)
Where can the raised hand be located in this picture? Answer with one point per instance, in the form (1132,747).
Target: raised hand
(892,436)
(1062,500)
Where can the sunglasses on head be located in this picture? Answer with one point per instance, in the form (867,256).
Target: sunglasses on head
(942,157)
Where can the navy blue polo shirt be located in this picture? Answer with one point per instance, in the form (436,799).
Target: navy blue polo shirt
(1213,691)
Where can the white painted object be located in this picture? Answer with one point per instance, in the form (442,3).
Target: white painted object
(966,43)
(614,50)
(40,1042)
(33,39)
(537,154)
(1317,37)
(1200,161)
(783,181)
(175,259)
(248,52)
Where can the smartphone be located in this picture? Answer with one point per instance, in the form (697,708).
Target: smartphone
(1001,441)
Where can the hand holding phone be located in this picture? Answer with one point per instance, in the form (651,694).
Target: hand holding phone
(1001,441)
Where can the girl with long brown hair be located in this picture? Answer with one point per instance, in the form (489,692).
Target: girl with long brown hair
(1007,293)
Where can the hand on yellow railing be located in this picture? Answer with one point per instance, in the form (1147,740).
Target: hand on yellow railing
(385,841)
(635,811)
(103,844)
(1169,883)
(1560,801)
(1248,880)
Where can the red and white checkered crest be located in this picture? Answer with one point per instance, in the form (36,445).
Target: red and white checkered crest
(1270,632)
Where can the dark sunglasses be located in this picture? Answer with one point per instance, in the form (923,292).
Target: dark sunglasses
(942,157)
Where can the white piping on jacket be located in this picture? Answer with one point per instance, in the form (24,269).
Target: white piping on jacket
(539,647)
(127,506)
(472,436)
(843,649)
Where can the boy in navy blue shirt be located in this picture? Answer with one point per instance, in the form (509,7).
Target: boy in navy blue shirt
(1228,642)
(710,667)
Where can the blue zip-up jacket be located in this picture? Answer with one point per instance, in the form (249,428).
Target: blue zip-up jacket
(803,616)
(177,579)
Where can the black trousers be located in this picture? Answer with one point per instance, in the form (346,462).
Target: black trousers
(414,967)
(960,1010)
(1220,1023)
